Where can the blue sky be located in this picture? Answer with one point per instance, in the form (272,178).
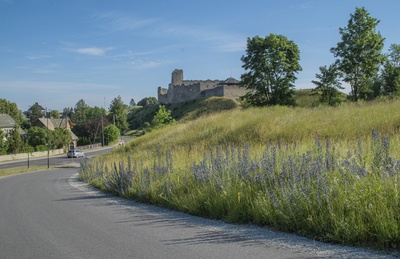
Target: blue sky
(58,52)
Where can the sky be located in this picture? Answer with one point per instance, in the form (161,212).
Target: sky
(58,52)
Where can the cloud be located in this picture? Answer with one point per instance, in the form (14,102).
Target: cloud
(120,22)
(141,64)
(303,6)
(92,51)
(156,28)
(56,95)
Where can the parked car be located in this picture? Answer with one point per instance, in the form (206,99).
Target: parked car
(75,153)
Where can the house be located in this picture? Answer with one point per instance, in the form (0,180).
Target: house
(42,110)
(52,124)
(7,124)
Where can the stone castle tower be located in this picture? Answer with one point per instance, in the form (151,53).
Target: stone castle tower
(177,77)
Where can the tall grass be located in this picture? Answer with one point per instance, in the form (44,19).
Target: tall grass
(323,173)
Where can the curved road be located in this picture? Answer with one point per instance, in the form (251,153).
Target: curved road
(53,160)
(51,214)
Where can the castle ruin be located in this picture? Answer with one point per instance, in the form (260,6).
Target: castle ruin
(180,90)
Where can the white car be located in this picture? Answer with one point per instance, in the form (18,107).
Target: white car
(75,153)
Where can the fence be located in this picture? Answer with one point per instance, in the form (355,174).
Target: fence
(43,153)
(31,155)
(98,145)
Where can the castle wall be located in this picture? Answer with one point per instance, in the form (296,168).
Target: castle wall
(183,93)
(234,91)
(162,95)
(180,90)
(216,91)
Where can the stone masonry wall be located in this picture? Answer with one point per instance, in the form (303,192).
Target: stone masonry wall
(180,90)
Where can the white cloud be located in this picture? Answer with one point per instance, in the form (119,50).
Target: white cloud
(120,22)
(92,51)
(141,64)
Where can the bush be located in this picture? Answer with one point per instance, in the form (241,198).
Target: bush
(111,133)
(41,148)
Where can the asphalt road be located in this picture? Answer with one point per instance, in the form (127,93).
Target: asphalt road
(59,160)
(51,214)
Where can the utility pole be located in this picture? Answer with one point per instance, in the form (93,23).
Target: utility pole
(102,129)
(48,151)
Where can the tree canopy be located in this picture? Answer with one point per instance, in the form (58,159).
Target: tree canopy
(391,72)
(328,85)
(11,109)
(35,112)
(118,114)
(359,53)
(271,64)
(147,100)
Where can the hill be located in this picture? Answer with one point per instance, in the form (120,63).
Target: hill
(138,115)
(330,173)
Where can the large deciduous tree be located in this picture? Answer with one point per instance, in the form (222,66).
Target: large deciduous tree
(271,64)
(359,54)
(391,72)
(118,114)
(80,111)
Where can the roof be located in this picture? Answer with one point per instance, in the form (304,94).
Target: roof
(39,106)
(52,124)
(231,81)
(47,123)
(60,123)
(6,121)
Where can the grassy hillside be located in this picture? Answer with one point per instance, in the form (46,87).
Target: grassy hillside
(327,173)
(138,115)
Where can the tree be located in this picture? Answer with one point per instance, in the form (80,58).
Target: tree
(95,112)
(69,112)
(80,111)
(59,138)
(327,85)
(111,133)
(271,64)
(15,143)
(37,136)
(55,114)
(90,131)
(359,53)
(35,112)
(11,109)
(3,143)
(132,103)
(162,117)
(391,72)
(118,114)
(147,101)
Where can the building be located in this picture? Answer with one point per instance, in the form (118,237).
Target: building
(180,90)
(52,124)
(7,124)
